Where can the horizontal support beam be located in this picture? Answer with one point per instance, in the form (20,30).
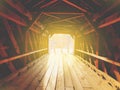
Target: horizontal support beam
(19,7)
(100,57)
(20,56)
(6,13)
(63,13)
(66,19)
(51,15)
(58,18)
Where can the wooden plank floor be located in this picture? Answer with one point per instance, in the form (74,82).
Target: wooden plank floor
(57,72)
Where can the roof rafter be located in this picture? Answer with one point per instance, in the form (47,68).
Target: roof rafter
(45,13)
(41,1)
(74,5)
(48,4)
(68,19)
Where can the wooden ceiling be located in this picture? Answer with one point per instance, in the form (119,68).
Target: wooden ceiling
(83,15)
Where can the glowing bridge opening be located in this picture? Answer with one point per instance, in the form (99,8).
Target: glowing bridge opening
(61,43)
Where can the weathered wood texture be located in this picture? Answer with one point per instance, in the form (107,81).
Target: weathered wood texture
(56,72)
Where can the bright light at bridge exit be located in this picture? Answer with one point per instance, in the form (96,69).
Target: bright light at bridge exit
(61,43)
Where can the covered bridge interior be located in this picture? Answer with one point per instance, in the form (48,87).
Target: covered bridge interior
(26,27)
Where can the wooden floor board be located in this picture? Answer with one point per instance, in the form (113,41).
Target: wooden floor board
(67,75)
(57,72)
(60,76)
(76,83)
(44,82)
(30,70)
(38,78)
(52,82)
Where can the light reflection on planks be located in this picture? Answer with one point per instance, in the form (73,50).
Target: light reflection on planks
(58,72)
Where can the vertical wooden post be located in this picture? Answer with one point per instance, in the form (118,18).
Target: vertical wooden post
(97,51)
(90,49)
(114,68)
(103,67)
(116,72)
(83,48)
(108,54)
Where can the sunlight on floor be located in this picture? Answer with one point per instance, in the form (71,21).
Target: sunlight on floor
(68,72)
(61,43)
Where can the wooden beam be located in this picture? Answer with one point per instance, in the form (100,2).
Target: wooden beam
(4,54)
(103,12)
(50,15)
(56,17)
(91,50)
(20,56)
(113,68)
(21,41)
(31,42)
(34,30)
(116,72)
(64,13)
(11,67)
(39,25)
(74,5)
(109,23)
(41,1)
(48,4)
(97,51)
(35,21)
(79,16)
(89,31)
(11,35)
(100,58)
(89,22)
(6,13)
(19,7)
